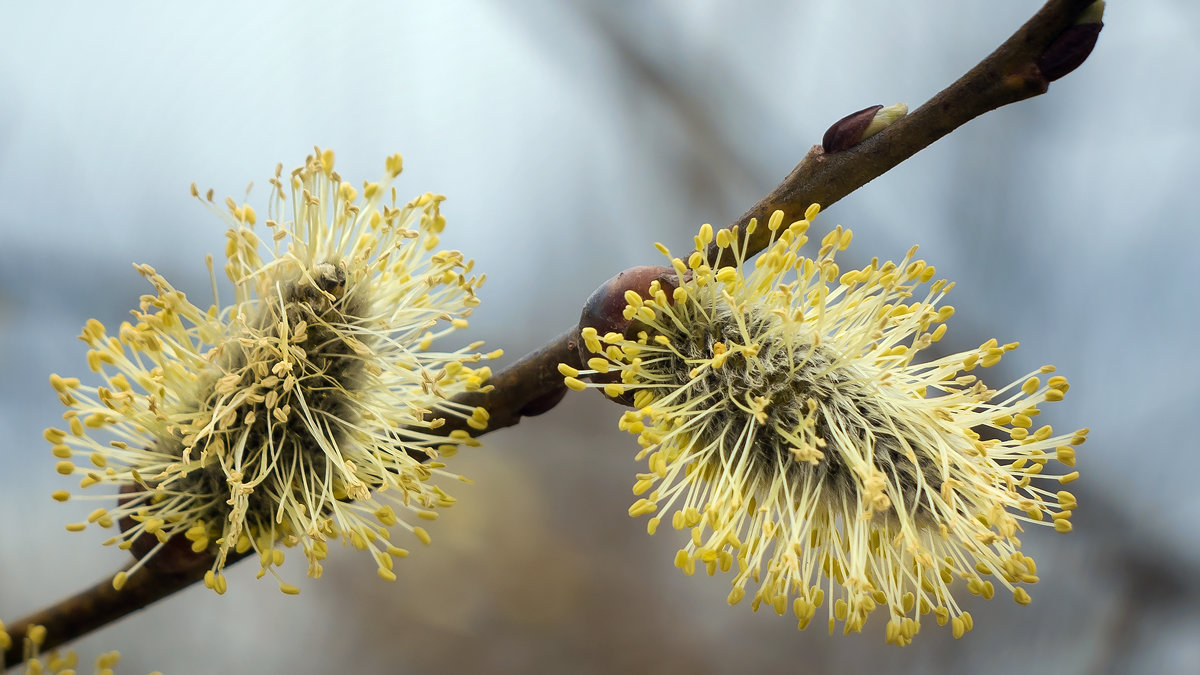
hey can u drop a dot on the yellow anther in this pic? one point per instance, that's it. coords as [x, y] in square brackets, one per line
[1031, 385]
[422, 535]
[1066, 500]
[1065, 454]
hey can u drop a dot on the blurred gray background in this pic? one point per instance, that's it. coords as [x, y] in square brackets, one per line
[569, 136]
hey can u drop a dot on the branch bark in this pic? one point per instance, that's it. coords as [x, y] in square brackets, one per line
[532, 385]
[1010, 74]
[100, 605]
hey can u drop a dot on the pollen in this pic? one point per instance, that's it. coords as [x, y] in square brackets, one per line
[57, 662]
[303, 410]
[794, 431]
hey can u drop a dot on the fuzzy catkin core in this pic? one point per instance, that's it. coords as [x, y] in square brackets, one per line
[787, 376]
[302, 413]
[312, 315]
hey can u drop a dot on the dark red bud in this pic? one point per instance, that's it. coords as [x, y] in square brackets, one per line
[543, 403]
[848, 131]
[605, 308]
[1069, 50]
[605, 311]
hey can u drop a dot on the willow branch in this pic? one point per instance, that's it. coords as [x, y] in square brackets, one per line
[1012, 73]
[531, 386]
[1045, 48]
[102, 604]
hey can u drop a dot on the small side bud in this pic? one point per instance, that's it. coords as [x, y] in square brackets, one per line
[859, 126]
[604, 311]
[543, 403]
[1072, 47]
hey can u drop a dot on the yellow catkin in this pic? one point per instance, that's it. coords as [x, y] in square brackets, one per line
[754, 381]
[321, 393]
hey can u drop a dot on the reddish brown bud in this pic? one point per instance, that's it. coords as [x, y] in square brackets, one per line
[847, 132]
[543, 403]
[1069, 50]
[605, 310]
[859, 126]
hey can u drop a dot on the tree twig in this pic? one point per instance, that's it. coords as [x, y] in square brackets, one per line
[101, 604]
[1009, 74]
[532, 385]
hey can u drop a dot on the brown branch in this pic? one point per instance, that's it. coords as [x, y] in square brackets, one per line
[531, 386]
[101, 604]
[1045, 48]
[1011, 73]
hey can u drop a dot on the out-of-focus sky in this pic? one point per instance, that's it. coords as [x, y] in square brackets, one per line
[569, 136]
